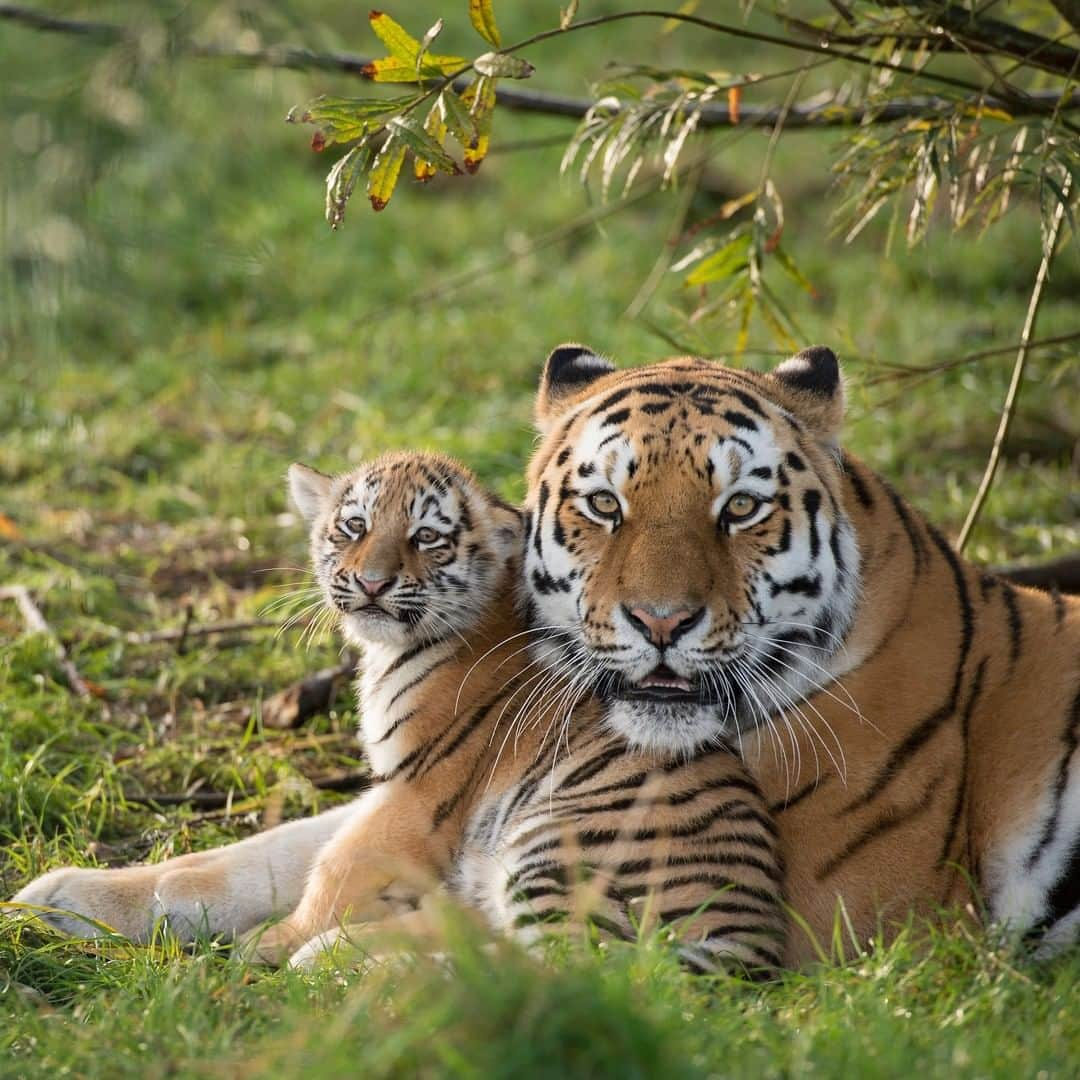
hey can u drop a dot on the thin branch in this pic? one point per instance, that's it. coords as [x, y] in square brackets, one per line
[1009, 407]
[36, 624]
[187, 631]
[345, 780]
[816, 114]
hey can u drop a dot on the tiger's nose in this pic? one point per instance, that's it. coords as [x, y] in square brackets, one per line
[662, 630]
[373, 586]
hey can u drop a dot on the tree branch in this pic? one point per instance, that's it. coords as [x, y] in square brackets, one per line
[995, 35]
[818, 113]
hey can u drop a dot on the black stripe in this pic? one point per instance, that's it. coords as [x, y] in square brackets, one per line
[409, 654]
[918, 544]
[403, 719]
[1070, 739]
[413, 683]
[962, 783]
[926, 728]
[592, 767]
[884, 823]
[862, 492]
[1015, 621]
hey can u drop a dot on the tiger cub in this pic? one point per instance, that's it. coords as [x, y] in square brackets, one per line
[505, 785]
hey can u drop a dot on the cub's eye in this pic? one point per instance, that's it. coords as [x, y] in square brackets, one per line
[427, 535]
[604, 504]
[741, 507]
[354, 527]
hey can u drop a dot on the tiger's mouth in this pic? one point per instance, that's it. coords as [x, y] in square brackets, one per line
[662, 686]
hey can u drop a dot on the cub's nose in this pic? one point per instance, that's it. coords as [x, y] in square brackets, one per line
[373, 586]
[659, 629]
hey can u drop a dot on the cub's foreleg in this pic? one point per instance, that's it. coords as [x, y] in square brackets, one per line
[378, 864]
[222, 892]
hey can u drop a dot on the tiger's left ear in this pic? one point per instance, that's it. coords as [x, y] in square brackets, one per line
[812, 384]
[569, 369]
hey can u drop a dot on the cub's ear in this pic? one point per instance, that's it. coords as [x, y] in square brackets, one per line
[812, 384]
[569, 369]
[309, 490]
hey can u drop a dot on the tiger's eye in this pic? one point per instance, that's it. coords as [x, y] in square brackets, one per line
[426, 535]
[605, 504]
[740, 507]
[355, 527]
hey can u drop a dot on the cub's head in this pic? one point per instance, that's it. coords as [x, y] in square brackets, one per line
[408, 548]
[687, 541]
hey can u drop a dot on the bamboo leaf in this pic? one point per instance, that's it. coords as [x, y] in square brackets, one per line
[792, 270]
[483, 19]
[728, 261]
[480, 99]
[385, 173]
[497, 65]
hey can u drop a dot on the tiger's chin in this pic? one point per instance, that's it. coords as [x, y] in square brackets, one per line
[678, 728]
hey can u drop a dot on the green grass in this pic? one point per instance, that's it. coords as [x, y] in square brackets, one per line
[177, 325]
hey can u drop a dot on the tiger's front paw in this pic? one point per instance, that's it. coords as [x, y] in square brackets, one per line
[87, 903]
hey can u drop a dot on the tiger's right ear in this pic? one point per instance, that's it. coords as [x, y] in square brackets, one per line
[309, 490]
[569, 369]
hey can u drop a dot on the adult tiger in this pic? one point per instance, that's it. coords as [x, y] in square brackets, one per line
[725, 571]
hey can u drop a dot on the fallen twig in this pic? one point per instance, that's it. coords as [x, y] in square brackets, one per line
[291, 707]
[187, 630]
[36, 624]
[345, 780]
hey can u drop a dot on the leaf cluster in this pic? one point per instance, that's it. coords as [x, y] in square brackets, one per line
[383, 132]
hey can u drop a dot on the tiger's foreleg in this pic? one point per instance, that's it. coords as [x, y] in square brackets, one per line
[222, 892]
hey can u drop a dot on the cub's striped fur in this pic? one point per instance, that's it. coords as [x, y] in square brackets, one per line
[913, 721]
[490, 776]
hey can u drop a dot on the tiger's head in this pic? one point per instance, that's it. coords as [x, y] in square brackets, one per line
[407, 548]
[687, 543]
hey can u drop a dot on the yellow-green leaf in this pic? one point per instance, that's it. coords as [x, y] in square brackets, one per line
[385, 173]
[395, 37]
[480, 98]
[341, 120]
[391, 69]
[483, 20]
[435, 127]
[342, 179]
[413, 134]
[457, 117]
[497, 65]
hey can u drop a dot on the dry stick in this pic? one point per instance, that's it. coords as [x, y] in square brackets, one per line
[347, 780]
[183, 633]
[811, 115]
[36, 624]
[1009, 407]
